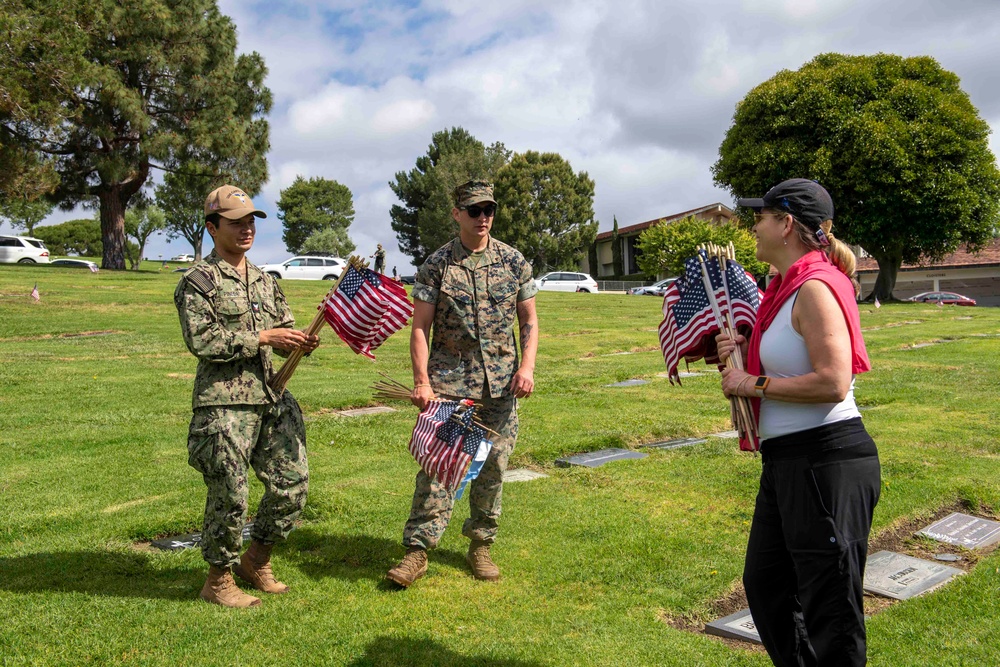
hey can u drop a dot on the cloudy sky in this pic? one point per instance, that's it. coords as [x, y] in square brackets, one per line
[638, 93]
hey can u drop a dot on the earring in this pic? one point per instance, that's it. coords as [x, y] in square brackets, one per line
[784, 241]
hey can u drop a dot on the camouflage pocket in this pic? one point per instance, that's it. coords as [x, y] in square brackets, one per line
[233, 309]
[203, 448]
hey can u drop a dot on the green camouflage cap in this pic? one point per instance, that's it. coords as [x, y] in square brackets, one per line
[473, 192]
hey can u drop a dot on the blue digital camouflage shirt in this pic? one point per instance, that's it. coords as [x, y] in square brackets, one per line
[473, 351]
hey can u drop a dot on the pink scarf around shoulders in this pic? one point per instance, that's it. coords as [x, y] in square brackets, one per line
[814, 265]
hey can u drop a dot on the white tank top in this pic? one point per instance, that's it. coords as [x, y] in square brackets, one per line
[783, 354]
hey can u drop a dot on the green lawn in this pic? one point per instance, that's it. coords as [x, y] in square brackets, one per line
[93, 461]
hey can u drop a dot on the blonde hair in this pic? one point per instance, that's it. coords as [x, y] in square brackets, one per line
[837, 251]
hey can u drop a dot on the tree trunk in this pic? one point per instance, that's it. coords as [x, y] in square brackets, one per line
[197, 246]
[888, 268]
[112, 228]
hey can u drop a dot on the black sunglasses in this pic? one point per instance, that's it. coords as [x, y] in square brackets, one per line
[476, 210]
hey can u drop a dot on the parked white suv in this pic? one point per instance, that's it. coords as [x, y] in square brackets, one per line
[23, 250]
[307, 268]
[564, 281]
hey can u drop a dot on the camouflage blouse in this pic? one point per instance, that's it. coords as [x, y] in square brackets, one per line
[473, 350]
[221, 319]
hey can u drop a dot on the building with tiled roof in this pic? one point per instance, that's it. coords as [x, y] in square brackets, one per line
[628, 236]
[976, 275]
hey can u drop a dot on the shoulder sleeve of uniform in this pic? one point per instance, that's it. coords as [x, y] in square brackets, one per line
[201, 280]
[427, 283]
[521, 269]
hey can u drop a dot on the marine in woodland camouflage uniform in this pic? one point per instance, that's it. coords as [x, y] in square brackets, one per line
[470, 300]
[231, 316]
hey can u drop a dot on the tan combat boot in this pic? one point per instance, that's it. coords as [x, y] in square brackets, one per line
[255, 569]
[220, 589]
[478, 558]
[412, 567]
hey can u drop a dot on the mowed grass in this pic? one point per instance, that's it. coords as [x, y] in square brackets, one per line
[93, 462]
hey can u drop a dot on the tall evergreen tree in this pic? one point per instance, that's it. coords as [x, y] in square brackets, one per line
[423, 223]
[545, 210]
[310, 206]
[99, 93]
[617, 260]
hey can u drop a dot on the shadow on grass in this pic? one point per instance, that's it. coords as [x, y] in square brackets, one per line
[410, 652]
[109, 573]
[320, 555]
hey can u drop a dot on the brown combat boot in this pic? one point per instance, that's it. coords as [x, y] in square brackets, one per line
[220, 589]
[478, 558]
[412, 567]
[255, 569]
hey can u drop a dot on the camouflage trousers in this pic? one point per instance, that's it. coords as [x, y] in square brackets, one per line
[224, 441]
[433, 503]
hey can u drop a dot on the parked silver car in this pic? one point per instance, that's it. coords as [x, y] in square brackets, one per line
[656, 289]
[23, 250]
[307, 268]
[566, 281]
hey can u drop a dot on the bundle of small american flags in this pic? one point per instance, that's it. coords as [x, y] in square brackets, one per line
[708, 299]
[366, 308]
[691, 320]
[449, 445]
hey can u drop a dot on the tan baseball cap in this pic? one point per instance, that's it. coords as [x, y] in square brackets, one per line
[231, 203]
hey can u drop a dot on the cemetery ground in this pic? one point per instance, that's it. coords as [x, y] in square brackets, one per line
[617, 565]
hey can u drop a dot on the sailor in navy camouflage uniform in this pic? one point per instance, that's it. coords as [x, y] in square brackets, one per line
[468, 293]
[232, 316]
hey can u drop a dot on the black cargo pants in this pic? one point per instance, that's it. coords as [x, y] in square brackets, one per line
[808, 545]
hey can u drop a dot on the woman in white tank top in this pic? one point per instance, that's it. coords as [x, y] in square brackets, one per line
[820, 477]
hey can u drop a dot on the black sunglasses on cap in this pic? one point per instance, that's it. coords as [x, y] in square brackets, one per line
[476, 210]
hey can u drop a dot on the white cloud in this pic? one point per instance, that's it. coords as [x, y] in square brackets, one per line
[638, 93]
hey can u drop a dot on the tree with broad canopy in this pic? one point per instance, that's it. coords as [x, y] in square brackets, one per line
[896, 142]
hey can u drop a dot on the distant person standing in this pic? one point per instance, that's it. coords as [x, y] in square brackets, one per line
[395, 274]
[379, 259]
[469, 292]
[232, 317]
[820, 476]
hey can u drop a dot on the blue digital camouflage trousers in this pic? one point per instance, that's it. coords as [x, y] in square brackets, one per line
[224, 442]
[433, 503]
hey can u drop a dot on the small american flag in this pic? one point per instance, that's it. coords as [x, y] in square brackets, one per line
[689, 324]
[878, 304]
[366, 308]
[445, 440]
[34, 293]
[93, 268]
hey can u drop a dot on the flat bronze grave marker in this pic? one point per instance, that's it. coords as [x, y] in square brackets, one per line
[628, 383]
[902, 577]
[963, 530]
[362, 412]
[735, 626]
[189, 541]
[599, 458]
[522, 475]
[673, 444]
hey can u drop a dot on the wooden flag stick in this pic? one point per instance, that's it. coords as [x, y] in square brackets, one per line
[281, 378]
[746, 422]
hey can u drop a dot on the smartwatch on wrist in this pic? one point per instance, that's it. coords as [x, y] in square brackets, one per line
[760, 385]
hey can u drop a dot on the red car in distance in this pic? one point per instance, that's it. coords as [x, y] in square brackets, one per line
[946, 298]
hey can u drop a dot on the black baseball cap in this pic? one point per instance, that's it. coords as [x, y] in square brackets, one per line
[807, 200]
